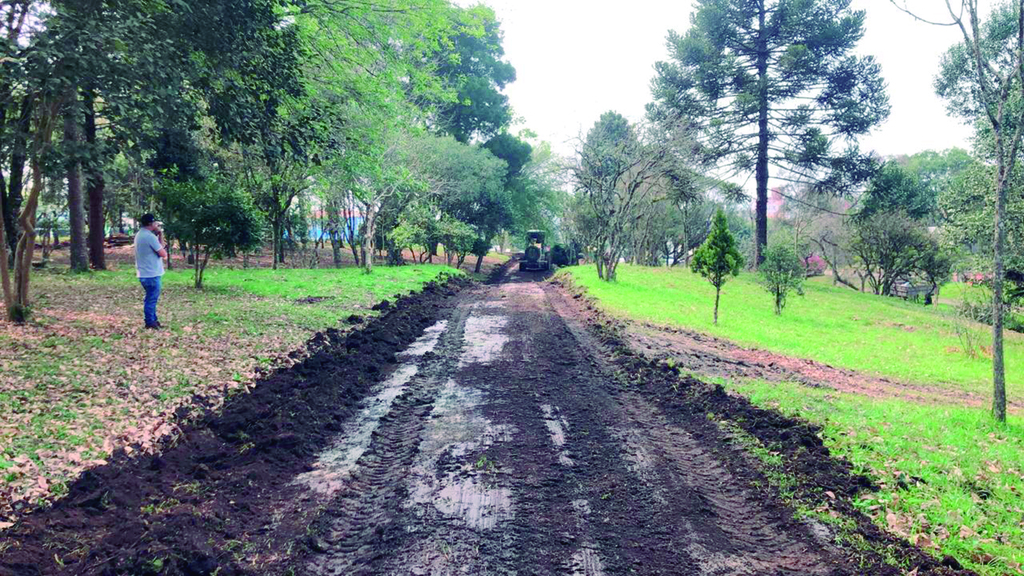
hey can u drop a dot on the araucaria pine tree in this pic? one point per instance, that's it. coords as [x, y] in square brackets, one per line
[718, 258]
[774, 85]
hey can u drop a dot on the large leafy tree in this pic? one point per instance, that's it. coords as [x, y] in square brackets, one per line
[619, 171]
[467, 183]
[937, 170]
[895, 188]
[969, 206]
[774, 89]
[474, 66]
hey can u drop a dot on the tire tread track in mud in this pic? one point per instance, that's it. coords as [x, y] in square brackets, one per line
[353, 529]
[728, 531]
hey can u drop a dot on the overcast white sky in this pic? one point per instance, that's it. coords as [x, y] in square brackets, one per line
[576, 59]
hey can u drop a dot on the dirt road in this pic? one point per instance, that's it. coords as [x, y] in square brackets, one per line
[501, 445]
[493, 431]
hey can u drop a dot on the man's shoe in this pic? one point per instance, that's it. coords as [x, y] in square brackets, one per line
[153, 326]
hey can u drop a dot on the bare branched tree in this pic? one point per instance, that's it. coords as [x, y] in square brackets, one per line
[981, 79]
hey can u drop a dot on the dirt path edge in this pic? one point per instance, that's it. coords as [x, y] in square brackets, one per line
[208, 502]
[805, 460]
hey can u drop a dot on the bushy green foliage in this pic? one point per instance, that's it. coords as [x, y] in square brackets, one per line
[781, 273]
[559, 255]
[718, 258]
[969, 207]
[890, 247]
[480, 247]
[896, 188]
[212, 216]
[457, 237]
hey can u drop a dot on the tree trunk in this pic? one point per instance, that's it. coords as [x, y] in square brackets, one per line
[367, 249]
[96, 189]
[761, 208]
[998, 367]
[197, 283]
[280, 242]
[336, 249]
[202, 267]
[16, 182]
[479, 263]
[76, 204]
[5, 273]
[718, 293]
[276, 244]
[18, 310]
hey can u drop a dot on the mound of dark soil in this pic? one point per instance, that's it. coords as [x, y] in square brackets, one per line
[215, 488]
[799, 442]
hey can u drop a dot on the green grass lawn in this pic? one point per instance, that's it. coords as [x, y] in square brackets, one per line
[271, 295]
[836, 325]
[952, 479]
[83, 377]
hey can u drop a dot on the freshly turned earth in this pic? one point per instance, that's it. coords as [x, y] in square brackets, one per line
[490, 429]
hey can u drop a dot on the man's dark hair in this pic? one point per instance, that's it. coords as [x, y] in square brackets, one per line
[147, 219]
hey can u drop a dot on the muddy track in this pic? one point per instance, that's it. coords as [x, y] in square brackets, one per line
[505, 430]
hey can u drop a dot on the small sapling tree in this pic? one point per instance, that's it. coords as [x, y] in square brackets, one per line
[781, 273]
[718, 257]
[214, 217]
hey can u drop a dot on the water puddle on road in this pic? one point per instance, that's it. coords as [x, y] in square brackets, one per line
[484, 339]
[482, 304]
[556, 428]
[456, 428]
[585, 561]
[427, 342]
[335, 465]
[478, 505]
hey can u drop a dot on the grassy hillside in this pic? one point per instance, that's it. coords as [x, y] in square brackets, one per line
[836, 325]
[951, 478]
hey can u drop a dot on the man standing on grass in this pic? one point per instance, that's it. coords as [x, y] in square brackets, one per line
[149, 265]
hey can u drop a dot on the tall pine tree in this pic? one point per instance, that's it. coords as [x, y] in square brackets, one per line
[772, 84]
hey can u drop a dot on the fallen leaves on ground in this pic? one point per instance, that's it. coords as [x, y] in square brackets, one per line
[85, 378]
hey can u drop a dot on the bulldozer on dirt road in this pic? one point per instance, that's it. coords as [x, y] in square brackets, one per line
[536, 256]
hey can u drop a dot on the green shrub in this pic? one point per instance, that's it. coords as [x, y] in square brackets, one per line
[213, 216]
[781, 273]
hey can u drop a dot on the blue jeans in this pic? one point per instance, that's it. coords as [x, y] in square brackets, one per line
[152, 287]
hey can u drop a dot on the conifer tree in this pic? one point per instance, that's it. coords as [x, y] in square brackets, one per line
[718, 257]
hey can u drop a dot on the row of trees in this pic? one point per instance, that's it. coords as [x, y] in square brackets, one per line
[382, 121]
[771, 90]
